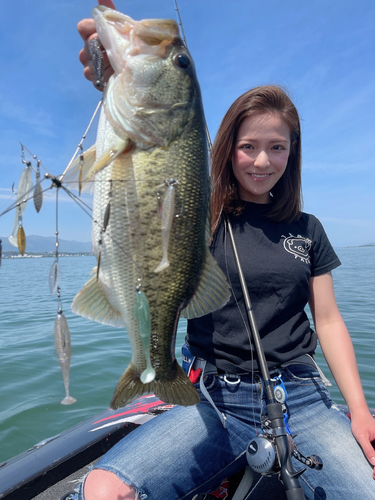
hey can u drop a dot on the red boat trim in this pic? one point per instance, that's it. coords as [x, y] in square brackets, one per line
[140, 407]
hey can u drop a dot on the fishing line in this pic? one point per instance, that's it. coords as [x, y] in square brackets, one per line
[180, 23]
[7, 200]
[37, 192]
[79, 147]
[158, 181]
[225, 230]
[231, 287]
[245, 323]
[186, 45]
[54, 275]
[21, 200]
[35, 158]
[103, 227]
[78, 200]
[225, 226]
[103, 232]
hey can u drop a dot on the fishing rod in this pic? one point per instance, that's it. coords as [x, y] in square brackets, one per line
[271, 453]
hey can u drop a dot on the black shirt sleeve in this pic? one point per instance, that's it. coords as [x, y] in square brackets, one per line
[323, 256]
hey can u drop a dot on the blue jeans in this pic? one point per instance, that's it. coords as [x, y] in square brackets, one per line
[186, 450]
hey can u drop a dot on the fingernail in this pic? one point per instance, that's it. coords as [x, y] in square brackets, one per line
[372, 460]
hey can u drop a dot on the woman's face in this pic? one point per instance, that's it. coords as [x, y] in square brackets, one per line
[260, 155]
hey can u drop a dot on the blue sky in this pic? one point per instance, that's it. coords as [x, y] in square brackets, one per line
[322, 51]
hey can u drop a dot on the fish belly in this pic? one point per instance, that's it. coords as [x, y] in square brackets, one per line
[117, 245]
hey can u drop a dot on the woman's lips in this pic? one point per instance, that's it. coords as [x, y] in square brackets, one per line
[260, 177]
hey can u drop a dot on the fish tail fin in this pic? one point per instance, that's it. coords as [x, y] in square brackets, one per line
[176, 389]
[163, 265]
[128, 388]
[68, 400]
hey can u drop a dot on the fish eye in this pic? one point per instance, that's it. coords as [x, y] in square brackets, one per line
[182, 60]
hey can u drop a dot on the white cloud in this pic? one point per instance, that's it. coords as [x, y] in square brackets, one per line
[38, 119]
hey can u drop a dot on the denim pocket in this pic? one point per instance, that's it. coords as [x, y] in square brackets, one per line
[302, 373]
[304, 381]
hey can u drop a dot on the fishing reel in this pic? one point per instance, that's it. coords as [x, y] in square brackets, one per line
[262, 456]
[261, 452]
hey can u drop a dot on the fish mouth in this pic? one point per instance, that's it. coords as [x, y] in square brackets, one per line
[149, 97]
[147, 37]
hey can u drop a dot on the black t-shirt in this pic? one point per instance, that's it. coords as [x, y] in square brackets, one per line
[278, 259]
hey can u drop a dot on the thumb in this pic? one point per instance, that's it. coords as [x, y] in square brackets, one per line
[367, 448]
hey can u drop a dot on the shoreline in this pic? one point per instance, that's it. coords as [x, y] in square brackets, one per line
[41, 255]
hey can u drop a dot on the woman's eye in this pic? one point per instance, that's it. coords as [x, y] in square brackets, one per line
[278, 147]
[247, 146]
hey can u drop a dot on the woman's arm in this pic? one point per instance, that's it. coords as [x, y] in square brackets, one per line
[87, 30]
[338, 350]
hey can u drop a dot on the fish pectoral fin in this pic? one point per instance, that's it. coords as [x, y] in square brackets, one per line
[79, 172]
[212, 292]
[80, 175]
[175, 388]
[121, 146]
[92, 303]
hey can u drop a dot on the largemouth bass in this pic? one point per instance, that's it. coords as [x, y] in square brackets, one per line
[151, 208]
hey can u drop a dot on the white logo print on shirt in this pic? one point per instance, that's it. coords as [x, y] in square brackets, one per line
[298, 246]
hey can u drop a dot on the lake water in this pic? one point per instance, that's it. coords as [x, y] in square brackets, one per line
[31, 385]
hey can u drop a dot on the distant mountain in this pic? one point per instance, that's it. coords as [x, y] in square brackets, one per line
[42, 244]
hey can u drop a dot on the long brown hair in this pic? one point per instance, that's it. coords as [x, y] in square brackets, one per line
[286, 194]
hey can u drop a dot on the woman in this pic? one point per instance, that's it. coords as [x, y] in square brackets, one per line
[287, 261]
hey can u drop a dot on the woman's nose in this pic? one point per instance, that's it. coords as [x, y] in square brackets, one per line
[262, 160]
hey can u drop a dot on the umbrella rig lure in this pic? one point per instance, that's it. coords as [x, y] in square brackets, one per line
[26, 190]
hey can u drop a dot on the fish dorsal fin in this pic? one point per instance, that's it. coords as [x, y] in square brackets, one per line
[212, 292]
[92, 303]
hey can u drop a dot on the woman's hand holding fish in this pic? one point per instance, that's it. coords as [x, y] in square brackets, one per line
[87, 30]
